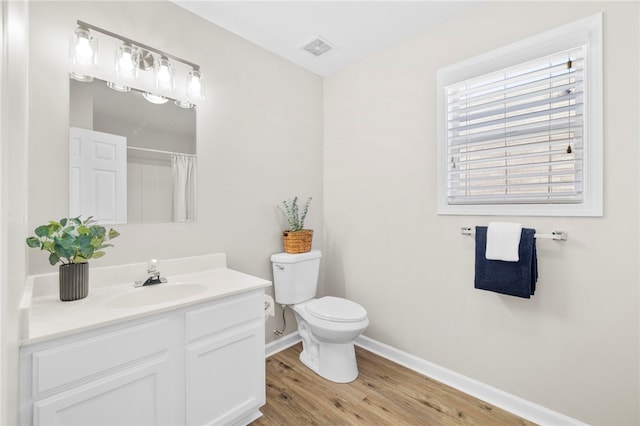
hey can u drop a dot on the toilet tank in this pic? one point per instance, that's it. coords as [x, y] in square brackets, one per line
[295, 276]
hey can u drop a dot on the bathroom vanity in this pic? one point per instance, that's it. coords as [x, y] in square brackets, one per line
[190, 351]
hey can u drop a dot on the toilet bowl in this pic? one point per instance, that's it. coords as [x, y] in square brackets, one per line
[327, 336]
[327, 325]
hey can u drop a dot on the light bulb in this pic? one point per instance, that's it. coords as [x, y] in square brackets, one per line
[83, 48]
[126, 63]
[195, 89]
[163, 73]
[195, 85]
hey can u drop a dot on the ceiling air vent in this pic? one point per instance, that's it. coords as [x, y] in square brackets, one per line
[318, 47]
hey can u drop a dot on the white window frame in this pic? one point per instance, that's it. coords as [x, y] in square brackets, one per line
[587, 31]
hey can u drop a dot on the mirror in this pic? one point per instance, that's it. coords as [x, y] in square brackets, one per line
[151, 177]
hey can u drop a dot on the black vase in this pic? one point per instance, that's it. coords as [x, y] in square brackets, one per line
[74, 281]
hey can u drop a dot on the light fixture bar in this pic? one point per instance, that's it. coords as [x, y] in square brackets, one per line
[135, 43]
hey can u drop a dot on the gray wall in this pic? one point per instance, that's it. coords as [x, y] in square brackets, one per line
[574, 346]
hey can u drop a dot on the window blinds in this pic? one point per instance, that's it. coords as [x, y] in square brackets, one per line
[516, 135]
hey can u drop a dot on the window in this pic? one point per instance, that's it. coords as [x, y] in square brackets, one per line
[520, 128]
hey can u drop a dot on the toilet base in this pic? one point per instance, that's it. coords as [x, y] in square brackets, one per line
[335, 362]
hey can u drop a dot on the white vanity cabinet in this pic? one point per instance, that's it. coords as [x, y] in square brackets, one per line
[200, 364]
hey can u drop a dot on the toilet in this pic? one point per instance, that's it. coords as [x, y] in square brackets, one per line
[327, 325]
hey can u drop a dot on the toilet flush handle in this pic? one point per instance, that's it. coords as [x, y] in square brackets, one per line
[281, 267]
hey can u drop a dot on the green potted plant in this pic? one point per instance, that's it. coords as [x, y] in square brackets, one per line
[296, 239]
[72, 242]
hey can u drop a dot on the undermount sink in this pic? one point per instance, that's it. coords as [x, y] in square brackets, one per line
[155, 294]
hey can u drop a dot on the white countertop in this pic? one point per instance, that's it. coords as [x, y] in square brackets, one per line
[44, 316]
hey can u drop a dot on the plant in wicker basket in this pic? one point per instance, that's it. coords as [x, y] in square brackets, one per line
[296, 239]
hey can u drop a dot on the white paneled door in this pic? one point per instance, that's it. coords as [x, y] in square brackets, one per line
[97, 175]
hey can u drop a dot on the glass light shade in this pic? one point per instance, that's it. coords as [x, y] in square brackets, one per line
[155, 99]
[127, 58]
[164, 74]
[195, 85]
[183, 104]
[83, 47]
[85, 78]
[118, 87]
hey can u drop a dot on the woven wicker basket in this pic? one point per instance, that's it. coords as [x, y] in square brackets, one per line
[297, 241]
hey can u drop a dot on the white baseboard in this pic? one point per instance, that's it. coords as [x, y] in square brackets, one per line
[511, 403]
[281, 344]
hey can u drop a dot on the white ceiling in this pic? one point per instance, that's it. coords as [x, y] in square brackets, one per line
[356, 29]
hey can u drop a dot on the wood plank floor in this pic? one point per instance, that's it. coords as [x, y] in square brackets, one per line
[385, 393]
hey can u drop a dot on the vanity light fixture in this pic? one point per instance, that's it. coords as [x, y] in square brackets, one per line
[84, 46]
[155, 99]
[183, 104]
[195, 85]
[164, 75]
[118, 87]
[146, 60]
[135, 66]
[85, 78]
[127, 62]
[83, 50]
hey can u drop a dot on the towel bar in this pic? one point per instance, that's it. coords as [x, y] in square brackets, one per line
[555, 235]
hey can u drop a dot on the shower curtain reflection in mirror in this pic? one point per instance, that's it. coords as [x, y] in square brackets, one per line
[183, 170]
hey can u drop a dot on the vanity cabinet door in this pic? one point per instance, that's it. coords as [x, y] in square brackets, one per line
[225, 378]
[225, 365]
[137, 396]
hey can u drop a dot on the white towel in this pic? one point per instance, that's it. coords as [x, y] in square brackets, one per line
[503, 240]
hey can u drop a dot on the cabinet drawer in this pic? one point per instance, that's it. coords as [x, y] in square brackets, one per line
[85, 358]
[226, 313]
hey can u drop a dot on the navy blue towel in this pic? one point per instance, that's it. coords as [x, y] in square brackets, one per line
[512, 278]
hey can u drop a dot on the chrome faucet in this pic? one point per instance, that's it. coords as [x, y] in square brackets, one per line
[153, 275]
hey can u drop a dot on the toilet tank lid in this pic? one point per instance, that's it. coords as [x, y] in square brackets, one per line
[294, 258]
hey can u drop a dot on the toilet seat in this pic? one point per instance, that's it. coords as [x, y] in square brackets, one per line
[336, 309]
